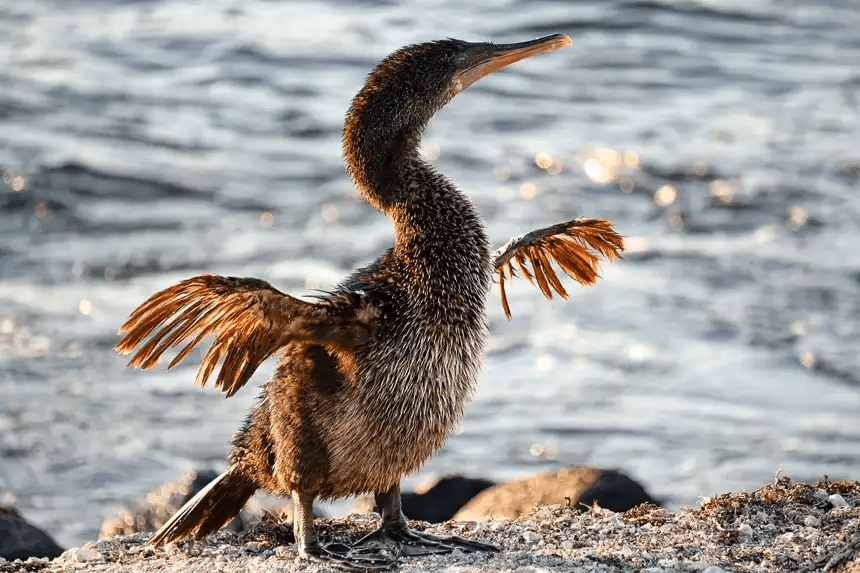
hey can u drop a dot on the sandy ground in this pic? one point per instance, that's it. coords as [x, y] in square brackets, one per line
[782, 526]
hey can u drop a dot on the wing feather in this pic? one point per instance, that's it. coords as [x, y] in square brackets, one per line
[575, 246]
[505, 307]
[537, 266]
[548, 271]
[250, 320]
[521, 262]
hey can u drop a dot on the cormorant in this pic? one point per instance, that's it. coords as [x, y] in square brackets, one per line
[373, 376]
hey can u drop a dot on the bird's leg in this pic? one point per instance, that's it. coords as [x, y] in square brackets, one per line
[394, 530]
[303, 525]
[333, 553]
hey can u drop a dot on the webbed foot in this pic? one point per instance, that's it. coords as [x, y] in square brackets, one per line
[350, 557]
[407, 541]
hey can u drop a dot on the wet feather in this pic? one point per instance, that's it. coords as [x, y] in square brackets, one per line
[574, 246]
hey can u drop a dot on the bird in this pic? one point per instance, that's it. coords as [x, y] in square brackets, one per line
[372, 376]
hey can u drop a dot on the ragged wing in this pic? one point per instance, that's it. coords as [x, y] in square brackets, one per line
[574, 246]
[250, 320]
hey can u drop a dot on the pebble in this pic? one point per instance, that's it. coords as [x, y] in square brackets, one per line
[714, 569]
[837, 500]
[529, 569]
[786, 537]
[531, 537]
[811, 521]
[82, 555]
[171, 549]
[745, 529]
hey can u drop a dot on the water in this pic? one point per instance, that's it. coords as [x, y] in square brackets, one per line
[145, 142]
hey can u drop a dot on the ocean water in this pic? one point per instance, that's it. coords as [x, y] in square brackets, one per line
[142, 142]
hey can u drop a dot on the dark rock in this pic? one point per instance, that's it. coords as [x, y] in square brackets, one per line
[441, 501]
[21, 540]
[616, 492]
[435, 501]
[579, 487]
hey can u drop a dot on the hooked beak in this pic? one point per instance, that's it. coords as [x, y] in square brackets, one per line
[485, 58]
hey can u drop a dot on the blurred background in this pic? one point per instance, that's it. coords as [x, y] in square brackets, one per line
[142, 142]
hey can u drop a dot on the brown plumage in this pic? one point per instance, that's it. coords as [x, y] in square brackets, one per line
[568, 244]
[250, 319]
[371, 377]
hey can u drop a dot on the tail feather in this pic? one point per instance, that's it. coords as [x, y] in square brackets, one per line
[208, 511]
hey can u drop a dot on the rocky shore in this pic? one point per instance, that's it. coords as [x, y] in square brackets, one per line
[782, 526]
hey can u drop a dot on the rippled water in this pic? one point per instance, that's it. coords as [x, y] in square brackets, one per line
[144, 142]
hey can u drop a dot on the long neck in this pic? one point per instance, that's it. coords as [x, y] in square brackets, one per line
[380, 146]
[435, 221]
[439, 235]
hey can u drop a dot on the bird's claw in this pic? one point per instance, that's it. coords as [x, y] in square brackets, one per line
[406, 541]
[381, 549]
[351, 558]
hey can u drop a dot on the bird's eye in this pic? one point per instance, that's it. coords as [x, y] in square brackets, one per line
[461, 60]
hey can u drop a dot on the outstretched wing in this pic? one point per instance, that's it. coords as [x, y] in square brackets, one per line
[250, 319]
[574, 246]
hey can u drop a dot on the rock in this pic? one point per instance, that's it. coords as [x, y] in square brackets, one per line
[21, 540]
[437, 500]
[812, 521]
[84, 554]
[583, 487]
[837, 500]
[443, 499]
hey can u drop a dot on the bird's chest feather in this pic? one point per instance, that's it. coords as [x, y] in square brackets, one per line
[425, 357]
[428, 366]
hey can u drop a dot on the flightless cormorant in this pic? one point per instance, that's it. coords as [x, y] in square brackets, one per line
[372, 376]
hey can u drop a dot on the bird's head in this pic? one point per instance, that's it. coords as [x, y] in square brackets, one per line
[403, 92]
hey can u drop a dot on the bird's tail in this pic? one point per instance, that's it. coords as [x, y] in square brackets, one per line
[208, 511]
